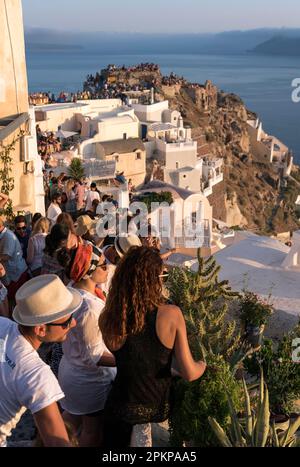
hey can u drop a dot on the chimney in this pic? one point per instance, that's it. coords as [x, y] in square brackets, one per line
[152, 96]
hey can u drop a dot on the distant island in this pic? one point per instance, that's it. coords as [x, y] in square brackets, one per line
[224, 43]
[34, 47]
[279, 45]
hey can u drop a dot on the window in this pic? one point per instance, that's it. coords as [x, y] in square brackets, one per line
[117, 158]
[138, 156]
[124, 135]
[177, 165]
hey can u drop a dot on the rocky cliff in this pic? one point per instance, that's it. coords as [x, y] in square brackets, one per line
[253, 193]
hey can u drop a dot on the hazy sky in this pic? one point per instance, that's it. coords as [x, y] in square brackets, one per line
[160, 15]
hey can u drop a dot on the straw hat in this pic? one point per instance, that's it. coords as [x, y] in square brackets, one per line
[85, 224]
[44, 299]
[124, 243]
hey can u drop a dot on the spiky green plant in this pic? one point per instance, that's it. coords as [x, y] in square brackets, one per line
[204, 300]
[255, 429]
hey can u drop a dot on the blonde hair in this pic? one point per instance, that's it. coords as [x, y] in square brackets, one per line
[41, 226]
[70, 185]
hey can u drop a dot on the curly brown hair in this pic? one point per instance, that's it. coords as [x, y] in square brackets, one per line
[135, 290]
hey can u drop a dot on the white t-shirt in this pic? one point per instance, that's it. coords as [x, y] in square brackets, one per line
[85, 384]
[111, 269]
[91, 195]
[53, 212]
[26, 382]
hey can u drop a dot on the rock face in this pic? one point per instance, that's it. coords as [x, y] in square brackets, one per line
[218, 202]
[252, 193]
[234, 217]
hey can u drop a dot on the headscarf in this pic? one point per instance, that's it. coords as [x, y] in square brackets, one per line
[85, 262]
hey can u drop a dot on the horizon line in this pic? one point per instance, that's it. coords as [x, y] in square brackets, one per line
[187, 33]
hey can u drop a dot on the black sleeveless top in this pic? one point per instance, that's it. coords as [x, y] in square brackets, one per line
[141, 390]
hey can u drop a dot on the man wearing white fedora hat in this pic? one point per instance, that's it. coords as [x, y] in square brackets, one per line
[44, 313]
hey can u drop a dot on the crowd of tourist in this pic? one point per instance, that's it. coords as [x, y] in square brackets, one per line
[97, 305]
[107, 90]
[141, 67]
[47, 144]
[173, 79]
[40, 98]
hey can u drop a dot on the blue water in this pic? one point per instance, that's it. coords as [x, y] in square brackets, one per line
[264, 83]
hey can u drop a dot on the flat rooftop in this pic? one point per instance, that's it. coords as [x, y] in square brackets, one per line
[52, 107]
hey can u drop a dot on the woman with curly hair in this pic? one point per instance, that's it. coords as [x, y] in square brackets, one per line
[144, 334]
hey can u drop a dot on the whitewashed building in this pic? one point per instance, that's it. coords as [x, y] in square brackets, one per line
[269, 148]
[190, 210]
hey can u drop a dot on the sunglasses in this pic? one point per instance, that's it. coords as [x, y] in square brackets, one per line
[21, 228]
[164, 276]
[103, 266]
[65, 325]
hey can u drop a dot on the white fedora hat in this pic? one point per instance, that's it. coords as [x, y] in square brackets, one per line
[44, 299]
[124, 243]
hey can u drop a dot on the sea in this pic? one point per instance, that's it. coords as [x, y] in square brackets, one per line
[263, 82]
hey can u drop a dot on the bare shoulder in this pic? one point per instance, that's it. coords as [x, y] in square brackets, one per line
[172, 312]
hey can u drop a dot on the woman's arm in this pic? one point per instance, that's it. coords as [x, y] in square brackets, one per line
[171, 330]
[92, 347]
[107, 359]
[3, 200]
[165, 256]
[186, 365]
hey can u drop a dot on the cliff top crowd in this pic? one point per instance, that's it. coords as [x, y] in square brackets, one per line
[141, 67]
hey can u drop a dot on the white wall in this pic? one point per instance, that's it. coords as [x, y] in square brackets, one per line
[185, 154]
[189, 180]
[150, 113]
[115, 131]
[39, 194]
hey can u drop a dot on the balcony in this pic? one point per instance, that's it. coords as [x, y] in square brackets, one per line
[214, 163]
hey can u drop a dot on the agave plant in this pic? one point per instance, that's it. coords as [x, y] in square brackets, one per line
[255, 429]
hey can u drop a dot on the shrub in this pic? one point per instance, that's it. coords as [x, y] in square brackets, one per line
[254, 311]
[282, 375]
[163, 197]
[199, 400]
